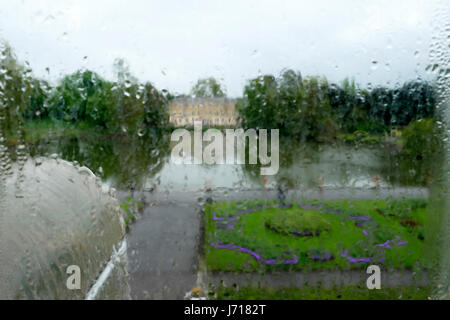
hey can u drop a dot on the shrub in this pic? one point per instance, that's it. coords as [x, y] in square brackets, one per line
[296, 220]
[422, 140]
[371, 139]
[347, 137]
[83, 96]
[329, 130]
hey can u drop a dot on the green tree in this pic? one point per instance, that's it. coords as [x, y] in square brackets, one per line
[422, 140]
[298, 107]
[380, 105]
[83, 96]
[155, 107]
[15, 90]
[317, 118]
[207, 88]
[347, 101]
[288, 115]
[259, 104]
[412, 100]
[37, 107]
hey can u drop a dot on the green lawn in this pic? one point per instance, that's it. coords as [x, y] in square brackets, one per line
[344, 234]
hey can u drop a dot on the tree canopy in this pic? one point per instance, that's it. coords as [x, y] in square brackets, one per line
[207, 88]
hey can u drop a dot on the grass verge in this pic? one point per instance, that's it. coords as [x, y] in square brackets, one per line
[320, 293]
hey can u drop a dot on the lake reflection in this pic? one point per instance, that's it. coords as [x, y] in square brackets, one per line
[144, 163]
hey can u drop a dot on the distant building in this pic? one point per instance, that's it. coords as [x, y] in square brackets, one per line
[211, 111]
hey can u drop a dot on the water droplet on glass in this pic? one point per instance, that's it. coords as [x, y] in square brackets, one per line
[374, 65]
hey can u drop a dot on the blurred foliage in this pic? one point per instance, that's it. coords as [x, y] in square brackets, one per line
[15, 90]
[82, 97]
[207, 88]
[131, 208]
[422, 139]
[313, 109]
[303, 108]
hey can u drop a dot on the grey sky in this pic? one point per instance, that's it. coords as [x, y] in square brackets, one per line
[173, 43]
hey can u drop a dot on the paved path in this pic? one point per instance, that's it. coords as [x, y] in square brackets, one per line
[164, 243]
[162, 252]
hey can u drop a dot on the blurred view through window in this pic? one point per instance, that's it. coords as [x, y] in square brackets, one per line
[103, 104]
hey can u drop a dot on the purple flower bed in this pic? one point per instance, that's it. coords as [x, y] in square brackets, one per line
[384, 245]
[319, 255]
[315, 254]
[394, 242]
[285, 205]
[353, 259]
[360, 220]
[320, 205]
[294, 259]
[225, 226]
[250, 210]
[306, 206]
[215, 218]
[363, 218]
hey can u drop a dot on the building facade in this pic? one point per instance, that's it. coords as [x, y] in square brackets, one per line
[211, 111]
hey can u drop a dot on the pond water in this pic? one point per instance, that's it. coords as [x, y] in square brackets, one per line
[145, 163]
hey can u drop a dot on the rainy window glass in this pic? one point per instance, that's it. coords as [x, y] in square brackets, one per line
[224, 150]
